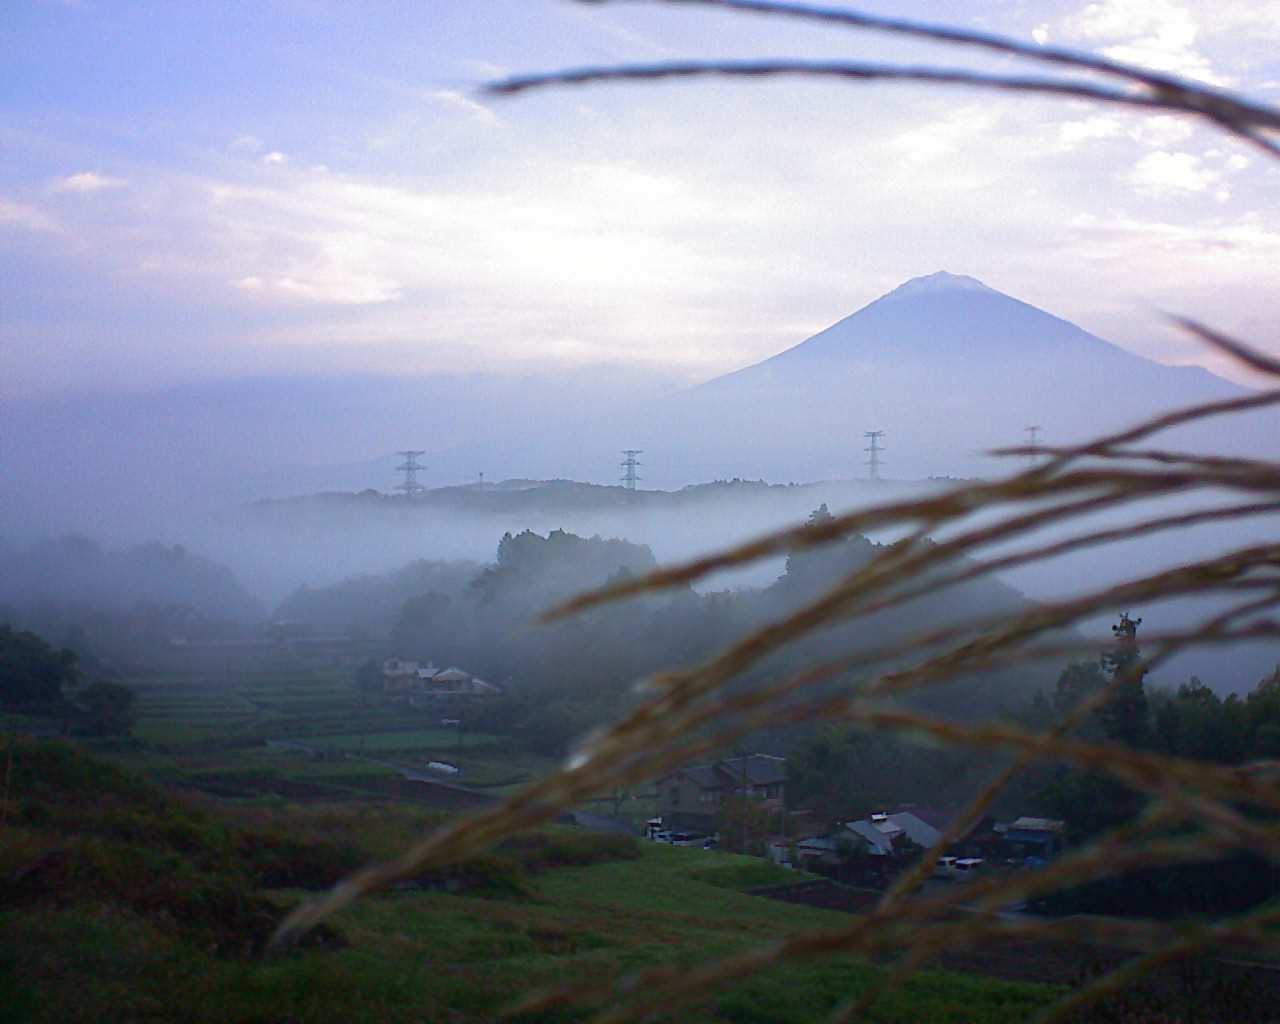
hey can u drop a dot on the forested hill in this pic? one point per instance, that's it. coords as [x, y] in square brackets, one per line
[543, 497]
[76, 573]
[567, 677]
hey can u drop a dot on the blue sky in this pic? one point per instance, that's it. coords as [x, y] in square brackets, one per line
[195, 192]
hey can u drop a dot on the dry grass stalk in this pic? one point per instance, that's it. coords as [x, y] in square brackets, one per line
[689, 712]
[1147, 89]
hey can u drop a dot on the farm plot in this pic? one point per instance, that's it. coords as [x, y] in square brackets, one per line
[403, 740]
[184, 712]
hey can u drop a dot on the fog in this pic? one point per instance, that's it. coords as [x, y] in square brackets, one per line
[289, 482]
[274, 547]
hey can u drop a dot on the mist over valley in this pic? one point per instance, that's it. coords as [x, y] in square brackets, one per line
[946, 367]
[726, 511]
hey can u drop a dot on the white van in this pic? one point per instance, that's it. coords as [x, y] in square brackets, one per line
[944, 868]
[967, 867]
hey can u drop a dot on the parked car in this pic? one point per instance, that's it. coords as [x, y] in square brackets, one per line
[945, 868]
[687, 839]
[967, 867]
[660, 836]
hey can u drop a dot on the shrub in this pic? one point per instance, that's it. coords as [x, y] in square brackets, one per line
[277, 861]
[539, 851]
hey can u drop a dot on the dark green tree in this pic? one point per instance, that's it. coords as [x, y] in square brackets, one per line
[369, 677]
[1079, 681]
[32, 672]
[108, 707]
[1124, 715]
[801, 562]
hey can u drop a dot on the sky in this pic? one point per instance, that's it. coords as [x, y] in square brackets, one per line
[194, 193]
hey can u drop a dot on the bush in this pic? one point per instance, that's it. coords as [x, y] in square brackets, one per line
[539, 851]
[60, 773]
[277, 861]
[489, 876]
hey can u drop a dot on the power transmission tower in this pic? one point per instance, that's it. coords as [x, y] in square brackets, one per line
[1033, 441]
[873, 460]
[629, 467]
[410, 488]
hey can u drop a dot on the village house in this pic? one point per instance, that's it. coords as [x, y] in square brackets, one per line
[427, 685]
[398, 676]
[879, 832]
[692, 798]
[1039, 838]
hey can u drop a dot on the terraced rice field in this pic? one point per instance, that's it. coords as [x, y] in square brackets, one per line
[294, 726]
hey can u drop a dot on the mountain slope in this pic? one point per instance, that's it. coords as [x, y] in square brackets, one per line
[948, 368]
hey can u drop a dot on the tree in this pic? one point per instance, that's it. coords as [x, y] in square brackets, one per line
[109, 708]
[32, 672]
[1079, 681]
[421, 624]
[369, 677]
[1124, 715]
[799, 562]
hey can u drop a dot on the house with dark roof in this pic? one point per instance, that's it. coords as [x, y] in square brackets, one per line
[692, 797]
[427, 685]
[1033, 837]
[879, 832]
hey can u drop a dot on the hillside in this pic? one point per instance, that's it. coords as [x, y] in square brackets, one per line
[120, 901]
[948, 368]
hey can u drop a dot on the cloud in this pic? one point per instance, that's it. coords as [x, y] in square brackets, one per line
[486, 69]
[275, 157]
[26, 217]
[245, 144]
[1243, 246]
[1259, 19]
[1163, 174]
[86, 182]
[942, 139]
[1156, 34]
[321, 238]
[466, 104]
[1162, 131]
[1073, 133]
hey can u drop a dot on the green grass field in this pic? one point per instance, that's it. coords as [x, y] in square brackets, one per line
[153, 908]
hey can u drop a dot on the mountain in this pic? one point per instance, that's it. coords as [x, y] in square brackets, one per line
[948, 368]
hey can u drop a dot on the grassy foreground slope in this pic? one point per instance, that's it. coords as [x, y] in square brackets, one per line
[119, 902]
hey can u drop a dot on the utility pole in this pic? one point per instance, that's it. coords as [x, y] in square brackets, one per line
[1033, 439]
[873, 461]
[629, 466]
[410, 488]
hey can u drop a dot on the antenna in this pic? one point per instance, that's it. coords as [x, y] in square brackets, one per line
[1033, 438]
[629, 467]
[873, 462]
[410, 488]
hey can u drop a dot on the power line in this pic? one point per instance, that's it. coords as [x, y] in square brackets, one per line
[873, 461]
[410, 487]
[629, 466]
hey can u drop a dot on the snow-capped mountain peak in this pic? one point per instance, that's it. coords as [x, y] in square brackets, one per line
[937, 284]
